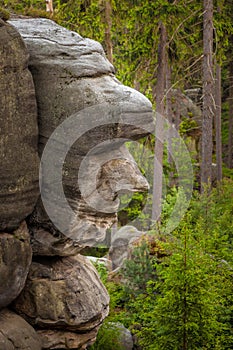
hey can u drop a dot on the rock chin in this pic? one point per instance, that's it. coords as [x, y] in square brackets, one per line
[63, 294]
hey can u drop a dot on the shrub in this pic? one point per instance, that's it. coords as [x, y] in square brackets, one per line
[4, 14]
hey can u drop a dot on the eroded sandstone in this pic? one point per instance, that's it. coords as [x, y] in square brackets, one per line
[63, 294]
[15, 260]
[16, 333]
[76, 87]
[18, 133]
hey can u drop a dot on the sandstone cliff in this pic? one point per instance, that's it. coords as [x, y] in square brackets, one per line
[76, 119]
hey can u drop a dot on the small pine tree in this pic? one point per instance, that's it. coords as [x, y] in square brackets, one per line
[189, 306]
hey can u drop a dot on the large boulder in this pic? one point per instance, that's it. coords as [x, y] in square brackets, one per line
[125, 337]
[121, 242]
[18, 133]
[63, 294]
[54, 339]
[16, 333]
[75, 84]
[15, 260]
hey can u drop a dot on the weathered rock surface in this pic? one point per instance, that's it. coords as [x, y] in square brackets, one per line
[44, 243]
[18, 144]
[73, 78]
[100, 186]
[63, 297]
[121, 243]
[63, 293]
[185, 106]
[52, 339]
[124, 335]
[16, 333]
[15, 260]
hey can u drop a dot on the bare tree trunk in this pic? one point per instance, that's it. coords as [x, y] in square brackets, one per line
[208, 95]
[230, 124]
[49, 6]
[218, 124]
[169, 109]
[177, 118]
[169, 116]
[108, 40]
[158, 151]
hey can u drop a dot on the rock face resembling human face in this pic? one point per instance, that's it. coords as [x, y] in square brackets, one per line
[75, 82]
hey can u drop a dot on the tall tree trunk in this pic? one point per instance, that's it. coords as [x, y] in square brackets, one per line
[208, 95]
[159, 137]
[49, 6]
[230, 124]
[177, 113]
[218, 124]
[169, 116]
[108, 23]
[169, 109]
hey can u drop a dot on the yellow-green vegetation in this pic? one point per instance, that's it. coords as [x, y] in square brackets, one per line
[181, 299]
[4, 14]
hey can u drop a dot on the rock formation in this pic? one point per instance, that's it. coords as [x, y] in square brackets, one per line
[15, 260]
[19, 132]
[85, 110]
[121, 242]
[16, 333]
[71, 74]
[63, 296]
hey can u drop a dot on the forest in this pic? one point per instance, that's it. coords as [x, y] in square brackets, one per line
[175, 291]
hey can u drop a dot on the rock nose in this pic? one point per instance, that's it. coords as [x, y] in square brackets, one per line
[132, 180]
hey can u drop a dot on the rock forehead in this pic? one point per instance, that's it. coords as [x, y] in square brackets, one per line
[42, 28]
[49, 43]
[72, 73]
[73, 57]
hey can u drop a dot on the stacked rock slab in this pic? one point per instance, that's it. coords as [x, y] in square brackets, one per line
[15, 260]
[18, 183]
[65, 301]
[18, 133]
[16, 333]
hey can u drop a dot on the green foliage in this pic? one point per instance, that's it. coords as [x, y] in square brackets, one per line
[227, 173]
[107, 338]
[184, 301]
[98, 251]
[185, 313]
[214, 211]
[138, 270]
[24, 7]
[187, 125]
[102, 271]
[133, 208]
[4, 14]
